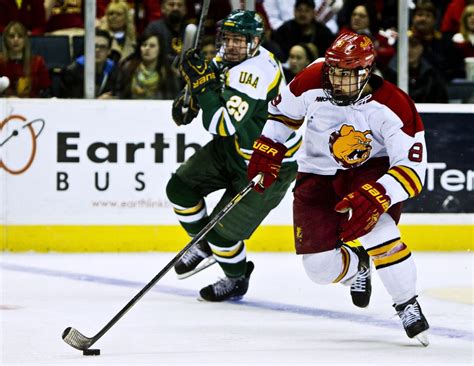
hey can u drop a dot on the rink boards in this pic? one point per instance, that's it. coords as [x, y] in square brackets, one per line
[91, 175]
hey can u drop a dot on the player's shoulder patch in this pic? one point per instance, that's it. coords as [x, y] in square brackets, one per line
[401, 104]
[309, 78]
[253, 76]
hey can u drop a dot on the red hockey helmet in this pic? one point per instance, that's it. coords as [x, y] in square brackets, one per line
[348, 65]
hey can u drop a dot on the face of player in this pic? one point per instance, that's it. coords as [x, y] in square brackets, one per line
[150, 50]
[346, 82]
[235, 47]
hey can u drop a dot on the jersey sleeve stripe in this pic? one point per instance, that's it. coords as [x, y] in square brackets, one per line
[409, 180]
[243, 154]
[227, 126]
[294, 124]
[415, 179]
[278, 76]
[221, 124]
[275, 82]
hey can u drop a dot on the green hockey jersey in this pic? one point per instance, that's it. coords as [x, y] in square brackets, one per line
[240, 107]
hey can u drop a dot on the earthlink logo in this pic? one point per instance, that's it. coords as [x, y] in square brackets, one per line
[18, 143]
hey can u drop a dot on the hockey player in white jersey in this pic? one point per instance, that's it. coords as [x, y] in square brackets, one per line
[363, 154]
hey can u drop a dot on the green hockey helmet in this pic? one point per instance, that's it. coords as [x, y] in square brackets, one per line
[248, 23]
[244, 22]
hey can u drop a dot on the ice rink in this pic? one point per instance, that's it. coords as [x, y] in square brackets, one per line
[284, 319]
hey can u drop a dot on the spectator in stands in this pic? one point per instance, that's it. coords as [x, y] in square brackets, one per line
[28, 74]
[72, 79]
[462, 45]
[424, 28]
[363, 20]
[208, 47]
[143, 11]
[268, 43]
[171, 27]
[280, 11]
[147, 74]
[65, 16]
[28, 12]
[119, 23]
[303, 28]
[301, 55]
[386, 12]
[426, 84]
[464, 40]
[450, 24]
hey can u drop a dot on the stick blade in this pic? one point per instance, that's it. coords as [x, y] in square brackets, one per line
[76, 339]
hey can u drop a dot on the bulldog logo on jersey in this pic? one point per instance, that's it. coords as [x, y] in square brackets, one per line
[350, 148]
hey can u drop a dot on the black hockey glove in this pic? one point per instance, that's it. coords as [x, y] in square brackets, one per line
[180, 116]
[197, 72]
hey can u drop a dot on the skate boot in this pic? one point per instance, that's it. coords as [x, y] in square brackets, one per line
[197, 258]
[228, 288]
[361, 288]
[413, 320]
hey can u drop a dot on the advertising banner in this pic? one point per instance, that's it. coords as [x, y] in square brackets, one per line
[450, 175]
[91, 162]
[72, 164]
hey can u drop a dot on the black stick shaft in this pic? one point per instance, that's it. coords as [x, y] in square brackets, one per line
[197, 41]
[165, 270]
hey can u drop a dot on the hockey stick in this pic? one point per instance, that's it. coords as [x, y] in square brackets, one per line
[197, 41]
[79, 341]
[188, 41]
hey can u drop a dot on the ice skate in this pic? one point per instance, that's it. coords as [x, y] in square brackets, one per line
[413, 320]
[361, 288]
[228, 288]
[197, 258]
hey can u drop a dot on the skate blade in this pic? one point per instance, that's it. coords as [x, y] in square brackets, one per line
[423, 338]
[231, 299]
[209, 261]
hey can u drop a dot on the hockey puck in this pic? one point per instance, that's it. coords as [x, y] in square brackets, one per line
[91, 352]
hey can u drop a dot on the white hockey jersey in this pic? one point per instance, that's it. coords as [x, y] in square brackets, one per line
[382, 124]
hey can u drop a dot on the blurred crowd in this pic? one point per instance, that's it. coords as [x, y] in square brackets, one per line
[137, 43]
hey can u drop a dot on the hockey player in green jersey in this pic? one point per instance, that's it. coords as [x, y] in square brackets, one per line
[233, 91]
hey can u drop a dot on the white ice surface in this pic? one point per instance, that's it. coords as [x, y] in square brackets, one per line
[284, 319]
